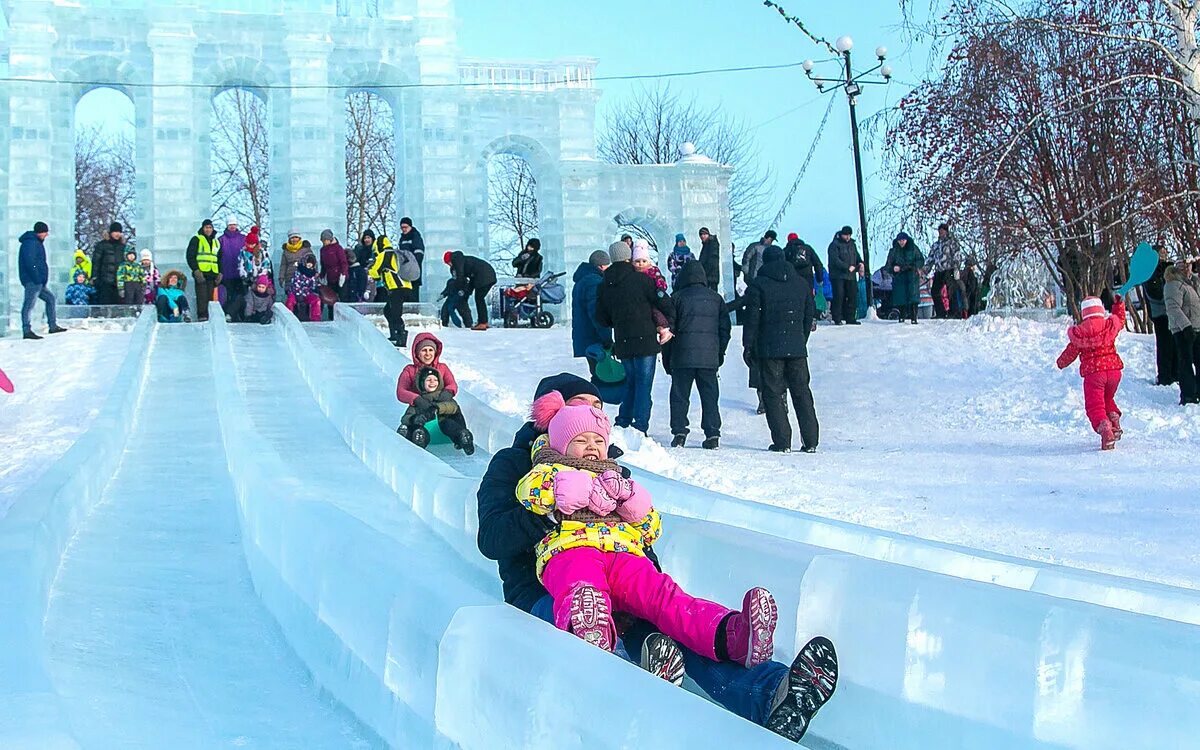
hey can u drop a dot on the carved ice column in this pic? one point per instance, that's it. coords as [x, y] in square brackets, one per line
[306, 159]
[177, 129]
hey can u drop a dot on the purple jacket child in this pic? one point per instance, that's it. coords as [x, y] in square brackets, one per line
[232, 242]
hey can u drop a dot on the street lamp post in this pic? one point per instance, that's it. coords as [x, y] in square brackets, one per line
[853, 86]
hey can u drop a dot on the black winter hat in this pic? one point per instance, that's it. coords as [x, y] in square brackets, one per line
[425, 372]
[368, 233]
[771, 235]
[203, 224]
[534, 243]
[115, 227]
[847, 230]
[39, 227]
[566, 384]
[704, 230]
[407, 221]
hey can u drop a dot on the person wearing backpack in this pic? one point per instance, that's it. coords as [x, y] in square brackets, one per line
[395, 271]
[694, 355]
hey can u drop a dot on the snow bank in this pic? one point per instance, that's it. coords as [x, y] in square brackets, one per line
[32, 538]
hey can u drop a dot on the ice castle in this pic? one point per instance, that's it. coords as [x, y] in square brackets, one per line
[451, 114]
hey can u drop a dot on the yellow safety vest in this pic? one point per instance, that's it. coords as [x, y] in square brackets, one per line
[206, 253]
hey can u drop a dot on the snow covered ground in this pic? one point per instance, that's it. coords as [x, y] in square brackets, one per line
[60, 382]
[958, 432]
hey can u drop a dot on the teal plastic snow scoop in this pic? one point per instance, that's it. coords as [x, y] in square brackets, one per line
[436, 435]
[1141, 267]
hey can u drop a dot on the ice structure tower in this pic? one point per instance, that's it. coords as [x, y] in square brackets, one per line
[171, 58]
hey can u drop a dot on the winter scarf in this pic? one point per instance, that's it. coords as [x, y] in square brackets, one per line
[547, 455]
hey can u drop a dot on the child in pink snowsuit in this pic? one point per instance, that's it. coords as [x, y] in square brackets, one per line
[594, 562]
[302, 289]
[1094, 342]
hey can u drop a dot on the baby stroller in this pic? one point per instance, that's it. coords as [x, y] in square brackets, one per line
[881, 289]
[526, 300]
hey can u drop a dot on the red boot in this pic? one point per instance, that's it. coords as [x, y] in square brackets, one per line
[1107, 440]
[1115, 420]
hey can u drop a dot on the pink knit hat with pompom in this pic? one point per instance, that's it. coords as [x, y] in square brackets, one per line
[563, 423]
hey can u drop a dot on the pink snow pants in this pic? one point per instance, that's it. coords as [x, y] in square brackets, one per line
[1099, 388]
[633, 585]
[314, 306]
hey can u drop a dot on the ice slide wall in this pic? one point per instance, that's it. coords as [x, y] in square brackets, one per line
[33, 538]
[941, 645]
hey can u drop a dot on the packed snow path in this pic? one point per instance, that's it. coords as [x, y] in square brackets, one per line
[155, 635]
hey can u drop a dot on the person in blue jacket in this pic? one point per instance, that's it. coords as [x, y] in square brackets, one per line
[585, 331]
[34, 273]
[766, 694]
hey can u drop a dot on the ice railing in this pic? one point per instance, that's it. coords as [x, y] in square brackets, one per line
[941, 645]
[33, 537]
[536, 75]
[395, 631]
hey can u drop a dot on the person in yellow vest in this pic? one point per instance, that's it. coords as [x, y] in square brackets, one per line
[390, 269]
[202, 259]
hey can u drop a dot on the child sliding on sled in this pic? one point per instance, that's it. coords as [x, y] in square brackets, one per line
[435, 402]
[1094, 342]
[594, 562]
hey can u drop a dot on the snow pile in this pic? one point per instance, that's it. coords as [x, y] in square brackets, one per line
[958, 432]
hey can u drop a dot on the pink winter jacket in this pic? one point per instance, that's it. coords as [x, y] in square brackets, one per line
[406, 384]
[1094, 342]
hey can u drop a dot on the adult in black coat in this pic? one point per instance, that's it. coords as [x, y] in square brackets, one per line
[844, 263]
[107, 255]
[779, 317]
[805, 259]
[411, 240]
[508, 534]
[528, 265]
[710, 257]
[626, 303]
[695, 354]
[480, 277]
[1164, 342]
[585, 331]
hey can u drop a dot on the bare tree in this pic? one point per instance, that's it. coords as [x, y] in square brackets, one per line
[650, 126]
[240, 157]
[512, 205]
[104, 184]
[370, 164]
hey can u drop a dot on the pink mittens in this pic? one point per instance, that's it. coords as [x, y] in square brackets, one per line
[608, 489]
[637, 505]
[572, 491]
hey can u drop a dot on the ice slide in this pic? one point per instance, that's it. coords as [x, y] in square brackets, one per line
[129, 617]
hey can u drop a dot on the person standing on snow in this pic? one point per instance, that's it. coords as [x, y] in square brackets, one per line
[804, 258]
[680, 256]
[33, 271]
[294, 252]
[412, 243]
[1164, 342]
[752, 257]
[1093, 341]
[844, 265]
[695, 353]
[364, 250]
[585, 331]
[779, 317]
[152, 277]
[1182, 292]
[626, 302]
[528, 265]
[480, 278]
[710, 258]
[233, 285]
[334, 265]
[203, 258]
[904, 262]
[943, 263]
[107, 256]
[394, 271]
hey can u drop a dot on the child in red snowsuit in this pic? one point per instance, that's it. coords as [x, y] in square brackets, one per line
[1094, 343]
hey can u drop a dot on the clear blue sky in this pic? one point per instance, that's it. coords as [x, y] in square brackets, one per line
[652, 36]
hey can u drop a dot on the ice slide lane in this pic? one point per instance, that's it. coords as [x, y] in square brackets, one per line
[154, 634]
[972, 651]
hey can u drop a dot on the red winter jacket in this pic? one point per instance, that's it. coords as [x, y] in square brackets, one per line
[406, 384]
[1094, 342]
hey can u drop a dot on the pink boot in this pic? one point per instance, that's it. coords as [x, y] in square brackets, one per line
[750, 634]
[1108, 440]
[590, 617]
[314, 308]
[1115, 419]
